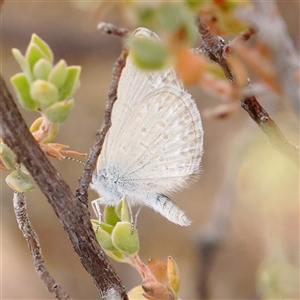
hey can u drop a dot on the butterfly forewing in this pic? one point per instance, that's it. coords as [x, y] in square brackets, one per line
[155, 143]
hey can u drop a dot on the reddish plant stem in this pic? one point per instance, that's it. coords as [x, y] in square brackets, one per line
[143, 269]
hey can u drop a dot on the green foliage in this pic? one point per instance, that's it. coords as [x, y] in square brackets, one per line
[22, 90]
[59, 112]
[118, 237]
[45, 88]
[71, 83]
[19, 181]
[42, 69]
[42, 46]
[59, 74]
[7, 157]
[148, 54]
[125, 238]
[42, 86]
[44, 93]
[110, 216]
[183, 24]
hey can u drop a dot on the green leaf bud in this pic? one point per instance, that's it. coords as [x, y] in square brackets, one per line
[34, 54]
[71, 83]
[7, 157]
[19, 181]
[43, 93]
[38, 49]
[59, 74]
[125, 238]
[125, 212]
[23, 63]
[107, 228]
[41, 69]
[22, 89]
[110, 215]
[148, 54]
[59, 112]
[118, 256]
[103, 238]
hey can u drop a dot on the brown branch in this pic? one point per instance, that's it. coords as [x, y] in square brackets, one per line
[109, 28]
[85, 179]
[213, 234]
[245, 36]
[33, 243]
[269, 127]
[273, 32]
[73, 215]
[213, 46]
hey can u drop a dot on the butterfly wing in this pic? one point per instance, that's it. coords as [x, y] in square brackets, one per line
[156, 132]
[155, 142]
[134, 85]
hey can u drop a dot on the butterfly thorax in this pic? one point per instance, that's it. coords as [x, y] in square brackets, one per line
[111, 185]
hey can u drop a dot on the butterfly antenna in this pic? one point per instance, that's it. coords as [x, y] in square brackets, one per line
[74, 159]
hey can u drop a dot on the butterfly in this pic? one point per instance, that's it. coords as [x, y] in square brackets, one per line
[155, 143]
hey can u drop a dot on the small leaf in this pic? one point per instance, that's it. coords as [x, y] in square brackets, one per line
[59, 74]
[44, 93]
[36, 125]
[125, 212]
[33, 54]
[22, 89]
[19, 181]
[156, 290]
[159, 270]
[125, 238]
[182, 27]
[41, 69]
[43, 46]
[118, 256]
[48, 135]
[59, 112]
[71, 84]
[118, 209]
[148, 54]
[107, 228]
[136, 293]
[103, 238]
[189, 66]
[173, 274]
[23, 63]
[7, 157]
[110, 215]
[24, 170]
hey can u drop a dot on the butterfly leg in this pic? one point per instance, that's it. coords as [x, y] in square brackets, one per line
[133, 223]
[96, 208]
[136, 216]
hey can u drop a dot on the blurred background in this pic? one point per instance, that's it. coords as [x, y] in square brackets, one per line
[260, 245]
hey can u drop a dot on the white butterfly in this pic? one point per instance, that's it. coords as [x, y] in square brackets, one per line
[155, 143]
